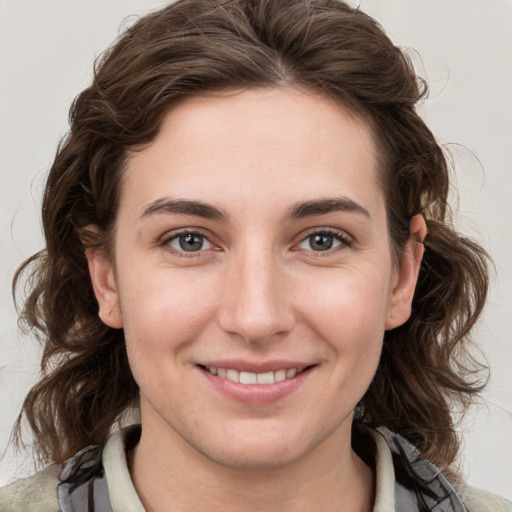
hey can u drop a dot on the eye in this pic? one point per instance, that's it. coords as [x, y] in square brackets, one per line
[323, 241]
[189, 242]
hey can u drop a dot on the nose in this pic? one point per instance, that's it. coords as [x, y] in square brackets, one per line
[256, 306]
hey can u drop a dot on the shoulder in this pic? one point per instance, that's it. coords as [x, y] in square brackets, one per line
[401, 464]
[37, 493]
[477, 500]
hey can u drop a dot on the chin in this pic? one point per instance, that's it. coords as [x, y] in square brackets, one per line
[257, 448]
[256, 457]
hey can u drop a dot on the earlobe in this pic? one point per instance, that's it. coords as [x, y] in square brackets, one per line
[105, 288]
[399, 308]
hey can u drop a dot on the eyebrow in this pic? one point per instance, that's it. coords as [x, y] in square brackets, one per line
[324, 206]
[184, 207]
[296, 211]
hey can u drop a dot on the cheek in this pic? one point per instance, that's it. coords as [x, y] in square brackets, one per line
[348, 315]
[348, 305]
[164, 310]
[163, 315]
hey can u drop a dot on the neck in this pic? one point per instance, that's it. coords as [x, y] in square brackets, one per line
[171, 475]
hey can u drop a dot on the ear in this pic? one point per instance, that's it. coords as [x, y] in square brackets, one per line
[399, 307]
[104, 284]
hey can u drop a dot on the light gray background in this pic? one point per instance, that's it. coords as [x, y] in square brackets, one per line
[47, 48]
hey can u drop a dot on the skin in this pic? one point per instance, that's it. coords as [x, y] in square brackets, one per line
[258, 291]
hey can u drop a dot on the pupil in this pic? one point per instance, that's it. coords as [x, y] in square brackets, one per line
[321, 242]
[191, 242]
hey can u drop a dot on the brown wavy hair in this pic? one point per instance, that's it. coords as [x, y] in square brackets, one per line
[193, 47]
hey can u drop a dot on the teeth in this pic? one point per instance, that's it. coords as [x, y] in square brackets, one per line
[253, 378]
[280, 375]
[265, 378]
[248, 378]
[233, 375]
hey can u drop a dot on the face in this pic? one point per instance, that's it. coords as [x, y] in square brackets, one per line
[253, 275]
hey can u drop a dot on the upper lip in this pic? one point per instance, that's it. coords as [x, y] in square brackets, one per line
[256, 367]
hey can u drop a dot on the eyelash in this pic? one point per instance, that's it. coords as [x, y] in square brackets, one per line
[343, 239]
[165, 242]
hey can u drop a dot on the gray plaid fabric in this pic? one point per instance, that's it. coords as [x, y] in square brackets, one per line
[442, 496]
[83, 486]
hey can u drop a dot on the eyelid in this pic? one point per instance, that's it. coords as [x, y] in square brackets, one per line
[165, 239]
[345, 239]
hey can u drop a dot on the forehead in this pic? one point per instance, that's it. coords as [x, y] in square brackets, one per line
[257, 144]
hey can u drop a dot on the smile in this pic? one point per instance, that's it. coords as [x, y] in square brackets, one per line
[253, 378]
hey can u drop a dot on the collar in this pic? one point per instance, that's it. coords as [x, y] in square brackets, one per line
[393, 454]
[95, 481]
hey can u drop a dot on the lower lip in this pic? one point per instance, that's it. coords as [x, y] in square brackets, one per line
[257, 394]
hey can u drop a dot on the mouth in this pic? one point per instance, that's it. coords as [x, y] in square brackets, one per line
[256, 384]
[251, 378]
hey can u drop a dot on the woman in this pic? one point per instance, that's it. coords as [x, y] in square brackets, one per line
[247, 238]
